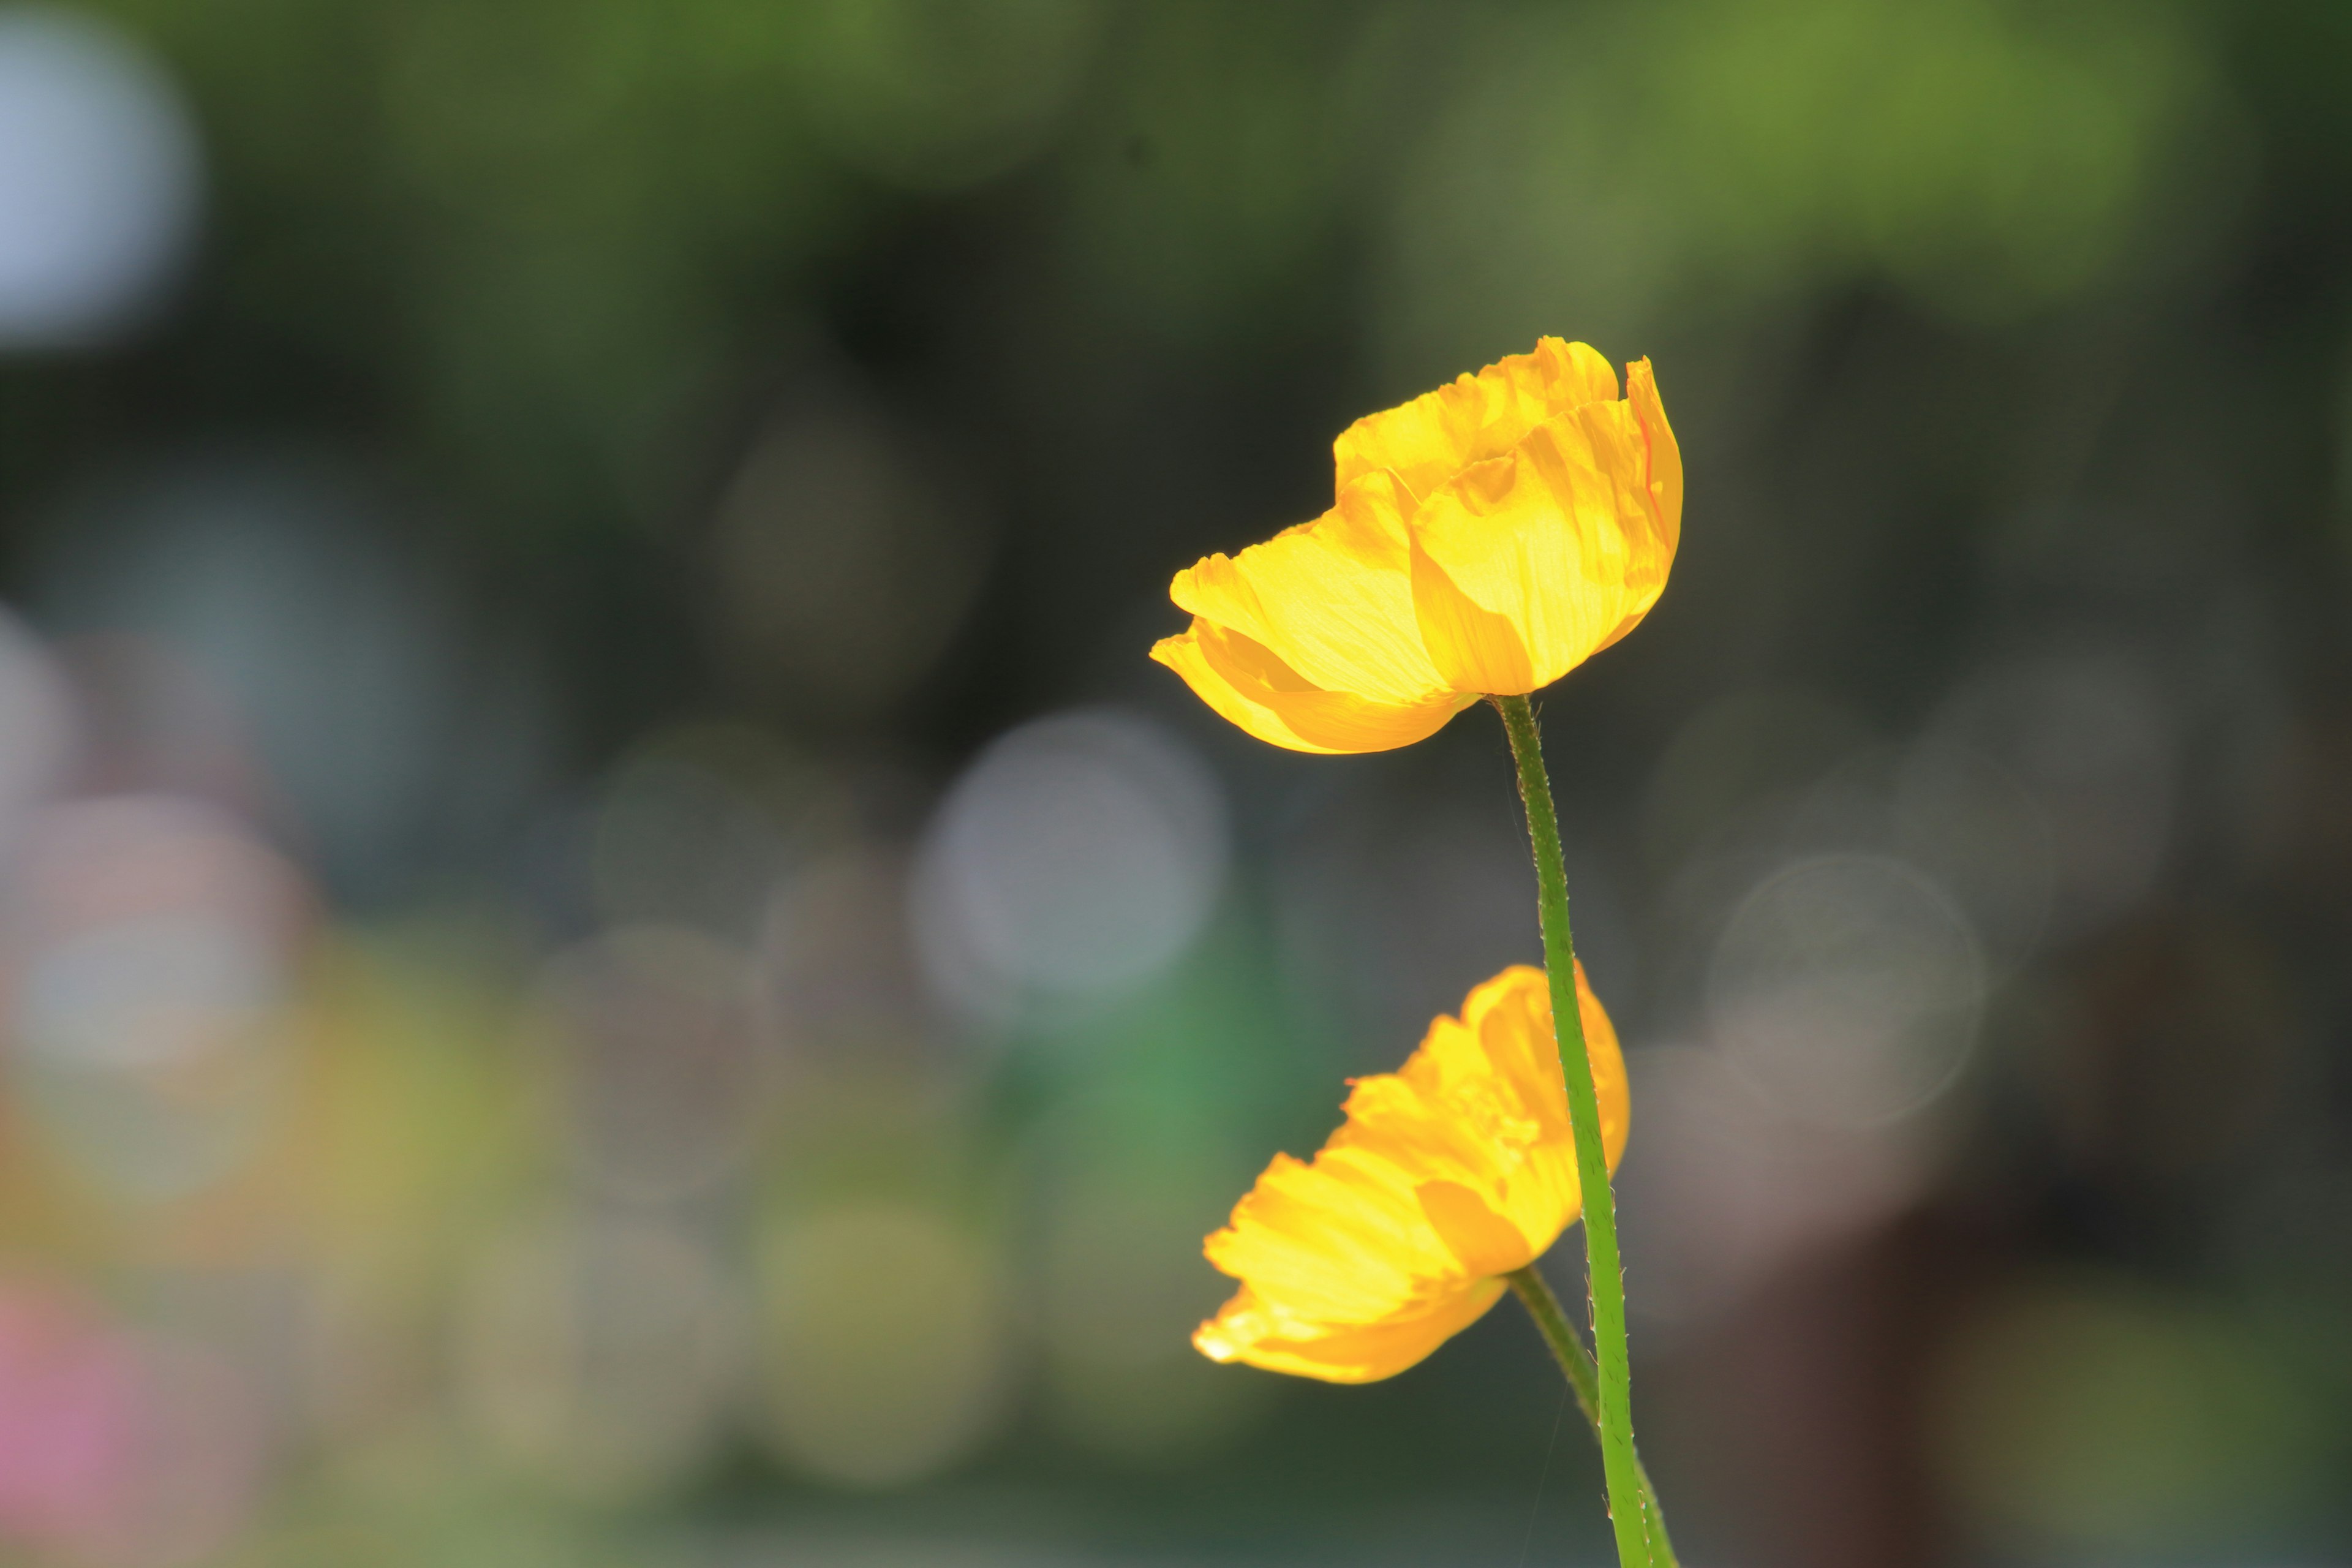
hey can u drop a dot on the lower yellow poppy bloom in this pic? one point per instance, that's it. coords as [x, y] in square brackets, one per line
[1446, 1176]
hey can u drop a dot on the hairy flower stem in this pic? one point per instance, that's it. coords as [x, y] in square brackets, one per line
[1626, 1514]
[1535, 1293]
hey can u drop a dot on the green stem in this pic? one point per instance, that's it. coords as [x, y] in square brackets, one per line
[1606, 1276]
[1551, 1322]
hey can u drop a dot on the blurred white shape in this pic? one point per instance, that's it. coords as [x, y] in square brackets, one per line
[150, 955]
[1847, 989]
[149, 991]
[600, 1355]
[149, 930]
[887, 1343]
[1077, 856]
[99, 176]
[2088, 738]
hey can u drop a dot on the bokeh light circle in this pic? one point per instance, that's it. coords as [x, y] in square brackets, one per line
[663, 1076]
[845, 560]
[601, 1353]
[885, 1342]
[1078, 857]
[1847, 989]
[98, 179]
[152, 966]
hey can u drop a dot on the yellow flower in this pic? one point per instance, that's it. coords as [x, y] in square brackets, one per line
[1486, 539]
[1446, 1176]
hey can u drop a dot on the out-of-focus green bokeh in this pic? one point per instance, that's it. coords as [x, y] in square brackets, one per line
[611, 953]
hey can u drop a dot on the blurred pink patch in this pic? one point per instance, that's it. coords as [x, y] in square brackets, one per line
[68, 1398]
[115, 1449]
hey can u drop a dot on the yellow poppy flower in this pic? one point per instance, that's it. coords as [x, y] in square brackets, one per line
[1446, 1176]
[1486, 538]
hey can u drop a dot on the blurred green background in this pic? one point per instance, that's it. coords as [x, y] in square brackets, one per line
[610, 953]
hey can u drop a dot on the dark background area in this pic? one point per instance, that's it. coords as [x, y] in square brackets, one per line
[612, 951]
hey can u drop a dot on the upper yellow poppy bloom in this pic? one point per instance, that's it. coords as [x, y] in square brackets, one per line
[1486, 539]
[1446, 1176]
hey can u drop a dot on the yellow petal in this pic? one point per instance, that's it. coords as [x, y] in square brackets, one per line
[1243, 1331]
[1526, 565]
[1663, 456]
[1484, 1242]
[1487, 1106]
[1332, 598]
[1339, 1239]
[1441, 433]
[1243, 681]
[1511, 1017]
[1445, 1176]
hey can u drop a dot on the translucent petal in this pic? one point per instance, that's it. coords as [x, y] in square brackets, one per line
[1526, 565]
[1332, 598]
[1485, 539]
[1437, 435]
[1244, 1331]
[1447, 1174]
[1662, 459]
[1248, 684]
